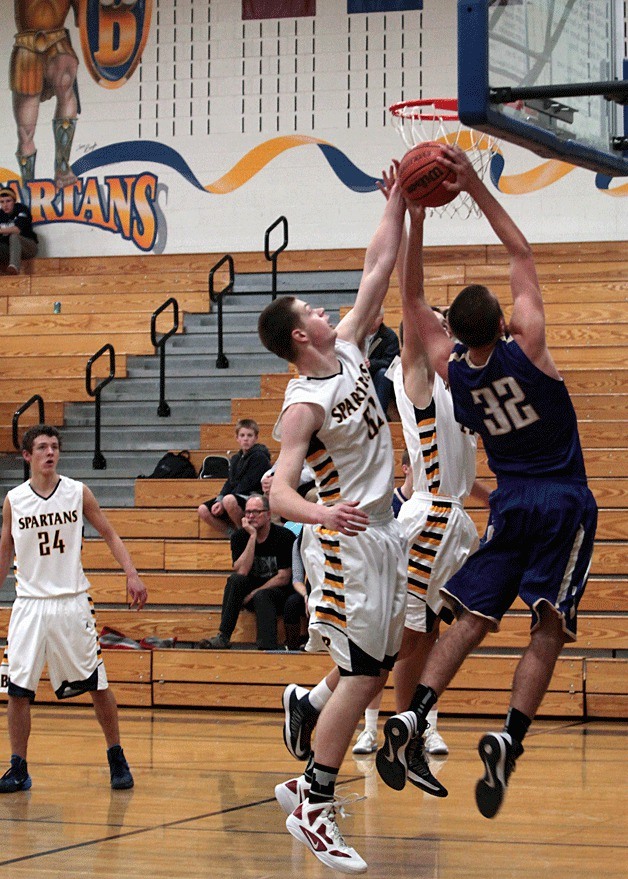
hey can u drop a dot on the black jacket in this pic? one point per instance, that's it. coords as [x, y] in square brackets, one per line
[246, 471]
[383, 348]
[20, 216]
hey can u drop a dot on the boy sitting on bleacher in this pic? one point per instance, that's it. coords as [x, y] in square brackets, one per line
[246, 468]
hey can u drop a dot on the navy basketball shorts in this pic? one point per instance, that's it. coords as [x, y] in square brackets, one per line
[538, 545]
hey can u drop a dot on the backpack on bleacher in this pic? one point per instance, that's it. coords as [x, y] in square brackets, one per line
[214, 467]
[174, 465]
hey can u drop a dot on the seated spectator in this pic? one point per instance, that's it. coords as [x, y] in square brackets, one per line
[381, 346]
[17, 238]
[246, 469]
[306, 488]
[296, 610]
[261, 579]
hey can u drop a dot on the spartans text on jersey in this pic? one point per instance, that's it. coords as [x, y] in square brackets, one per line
[47, 519]
[351, 404]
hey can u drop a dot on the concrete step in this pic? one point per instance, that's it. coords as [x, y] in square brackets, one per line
[201, 343]
[256, 302]
[234, 321]
[299, 282]
[193, 388]
[128, 464]
[240, 343]
[184, 360]
[132, 438]
[194, 363]
[182, 412]
[7, 590]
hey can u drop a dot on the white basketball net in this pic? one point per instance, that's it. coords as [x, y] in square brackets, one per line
[437, 119]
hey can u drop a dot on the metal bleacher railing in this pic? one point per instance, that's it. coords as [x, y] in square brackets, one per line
[36, 398]
[163, 410]
[99, 462]
[217, 296]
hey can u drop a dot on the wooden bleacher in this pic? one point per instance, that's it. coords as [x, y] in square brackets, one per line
[184, 564]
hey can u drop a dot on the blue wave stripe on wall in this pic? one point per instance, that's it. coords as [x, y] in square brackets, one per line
[136, 151]
[158, 153]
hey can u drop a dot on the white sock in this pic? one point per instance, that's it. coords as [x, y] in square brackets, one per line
[320, 695]
[432, 717]
[370, 719]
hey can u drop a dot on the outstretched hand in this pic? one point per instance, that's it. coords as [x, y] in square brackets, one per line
[457, 161]
[388, 180]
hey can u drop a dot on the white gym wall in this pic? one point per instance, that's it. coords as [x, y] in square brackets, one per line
[231, 97]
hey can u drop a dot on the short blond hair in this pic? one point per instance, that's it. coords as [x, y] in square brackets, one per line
[247, 424]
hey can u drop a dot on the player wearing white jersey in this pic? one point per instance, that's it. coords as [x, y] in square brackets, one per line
[354, 554]
[344, 571]
[52, 620]
[48, 536]
[440, 533]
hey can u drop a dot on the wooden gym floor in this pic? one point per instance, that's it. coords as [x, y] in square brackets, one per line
[203, 804]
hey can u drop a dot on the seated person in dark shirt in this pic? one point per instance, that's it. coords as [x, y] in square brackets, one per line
[306, 487]
[381, 346]
[403, 491]
[17, 238]
[261, 579]
[246, 469]
[296, 611]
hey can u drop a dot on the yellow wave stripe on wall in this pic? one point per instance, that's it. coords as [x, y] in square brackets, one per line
[618, 192]
[256, 159]
[536, 178]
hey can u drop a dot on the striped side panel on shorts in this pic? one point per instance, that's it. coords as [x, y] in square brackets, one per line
[332, 607]
[425, 547]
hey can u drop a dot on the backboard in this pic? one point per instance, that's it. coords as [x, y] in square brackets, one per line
[549, 75]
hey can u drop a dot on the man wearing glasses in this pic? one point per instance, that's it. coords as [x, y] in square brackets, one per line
[261, 579]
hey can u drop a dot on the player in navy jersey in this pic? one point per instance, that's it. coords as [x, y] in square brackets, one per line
[539, 539]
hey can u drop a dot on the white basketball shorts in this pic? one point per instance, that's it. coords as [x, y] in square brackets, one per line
[60, 632]
[358, 594]
[441, 536]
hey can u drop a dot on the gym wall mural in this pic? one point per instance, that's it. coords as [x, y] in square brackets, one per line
[189, 125]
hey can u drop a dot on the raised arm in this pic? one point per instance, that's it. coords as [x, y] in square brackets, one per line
[244, 562]
[527, 321]
[426, 346]
[379, 263]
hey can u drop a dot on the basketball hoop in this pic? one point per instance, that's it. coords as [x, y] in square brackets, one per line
[436, 119]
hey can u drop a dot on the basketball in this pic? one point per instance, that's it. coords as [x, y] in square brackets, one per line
[421, 176]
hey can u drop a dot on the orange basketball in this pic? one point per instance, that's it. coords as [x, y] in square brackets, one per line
[421, 176]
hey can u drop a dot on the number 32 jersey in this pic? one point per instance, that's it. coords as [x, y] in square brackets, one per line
[48, 537]
[526, 418]
[351, 454]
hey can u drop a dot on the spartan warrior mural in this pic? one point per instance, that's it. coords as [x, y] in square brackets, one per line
[43, 66]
